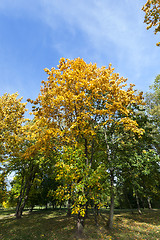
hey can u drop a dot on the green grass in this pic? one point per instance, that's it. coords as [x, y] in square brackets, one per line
[55, 225]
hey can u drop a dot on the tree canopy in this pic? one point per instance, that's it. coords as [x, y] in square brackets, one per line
[89, 129]
[152, 15]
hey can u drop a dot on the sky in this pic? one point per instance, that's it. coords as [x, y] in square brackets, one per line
[35, 34]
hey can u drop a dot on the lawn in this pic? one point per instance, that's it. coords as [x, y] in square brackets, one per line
[55, 225]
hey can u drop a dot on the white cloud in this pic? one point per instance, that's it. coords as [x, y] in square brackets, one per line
[110, 28]
[106, 25]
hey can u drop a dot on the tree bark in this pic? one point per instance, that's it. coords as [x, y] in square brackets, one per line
[69, 208]
[92, 152]
[25, 192]
[138, 205]
[96, 214]
[86, 150]
[31, 209]
[149, 203]
[80, 226]
[21, 204]
[129, 203]
[111, 213]
[46, 206]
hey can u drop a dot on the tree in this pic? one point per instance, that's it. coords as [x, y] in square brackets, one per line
[17, 134]
[12, 112]
[78, 101]
[80, 185]
[3, 187]
[152, 15]
[31, 186]
[144, 176]
[77, 96]
[12, 134]
[153, 109]
[31, 170]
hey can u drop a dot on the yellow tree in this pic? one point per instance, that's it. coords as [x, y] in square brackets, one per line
[78, 98]
[77, 101]
[152, 15]
[17, 135]
[12, 112]
[14, 139]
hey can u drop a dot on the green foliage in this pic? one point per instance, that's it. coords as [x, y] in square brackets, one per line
[90, 140]
[79, 182]
[3, 188]
[153, 109]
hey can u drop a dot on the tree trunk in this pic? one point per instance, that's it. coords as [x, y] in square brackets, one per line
[69, 208]
[129, 203]
[20, 204]
[92, 152]
[20, 208]
[20, 198]
[95, 215]
[31, 209]
[149, 203]
[17, 214]
[86, 150]
[138, 205]
[142, 201]
[46, 206]
[80, 226]
[53, 204]
[86, 213]
[23, 205]
[111, 213]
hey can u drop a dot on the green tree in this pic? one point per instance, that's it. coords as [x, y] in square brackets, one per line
[153, 109]
[3, 186]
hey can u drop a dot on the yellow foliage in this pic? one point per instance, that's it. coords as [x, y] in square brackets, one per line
[5, 204]
[11, 124]
[152, 15]
[75, 95]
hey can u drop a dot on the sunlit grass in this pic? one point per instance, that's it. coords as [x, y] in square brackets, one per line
[52, 225]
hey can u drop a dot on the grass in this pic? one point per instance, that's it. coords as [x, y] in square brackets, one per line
[55, 225]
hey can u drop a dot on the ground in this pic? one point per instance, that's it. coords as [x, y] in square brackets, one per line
[55, 225]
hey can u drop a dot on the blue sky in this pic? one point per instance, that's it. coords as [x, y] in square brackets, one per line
[35, 34]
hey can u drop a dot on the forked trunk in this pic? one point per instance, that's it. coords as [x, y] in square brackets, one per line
[20, 208]
[22, 200]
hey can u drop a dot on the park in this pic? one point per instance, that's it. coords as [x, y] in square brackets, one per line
[84, 163]
[54, 224]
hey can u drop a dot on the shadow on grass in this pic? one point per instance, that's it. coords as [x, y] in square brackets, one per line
[38, 225]
[6, 212]
[54, 224]
[147, 216]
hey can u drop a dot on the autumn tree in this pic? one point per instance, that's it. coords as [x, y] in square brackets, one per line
[12, 112]
[152, 15]
[15, 139]
[78, 101]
